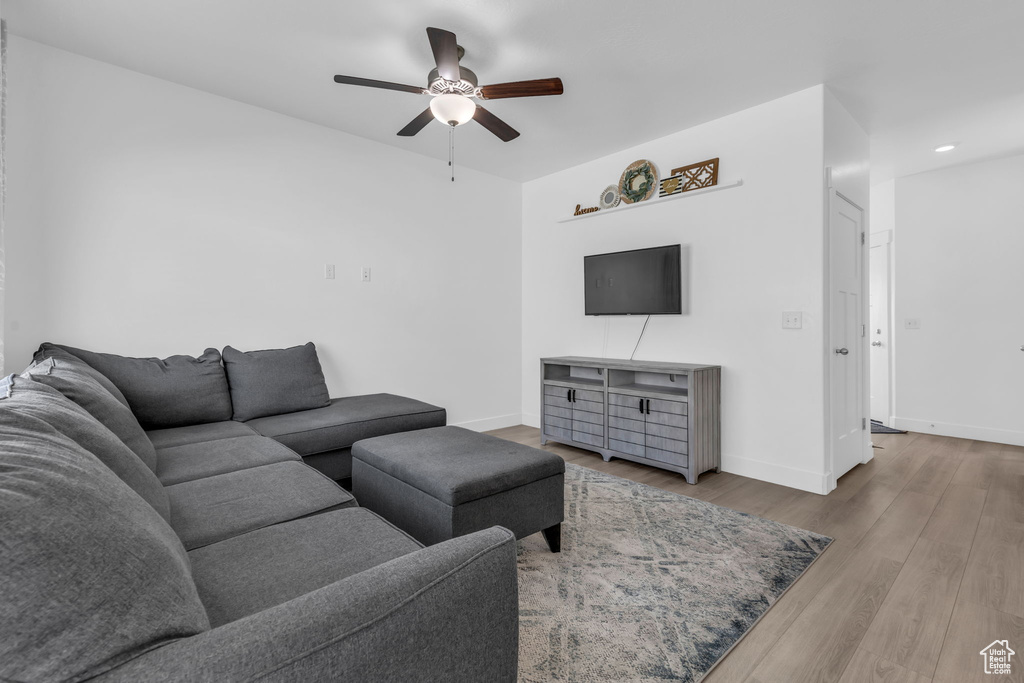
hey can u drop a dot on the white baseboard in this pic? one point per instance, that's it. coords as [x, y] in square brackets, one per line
[813, 482]
[531, 420]
[1007, 436]
[489, 423]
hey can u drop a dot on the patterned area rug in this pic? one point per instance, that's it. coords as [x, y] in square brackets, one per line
[650, 585]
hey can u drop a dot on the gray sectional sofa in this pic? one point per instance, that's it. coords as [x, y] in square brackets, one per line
[160, 520]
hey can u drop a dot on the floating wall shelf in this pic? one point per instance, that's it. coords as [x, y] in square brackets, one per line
[652, 202]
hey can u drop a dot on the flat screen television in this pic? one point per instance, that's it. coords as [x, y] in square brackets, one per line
[637, 282]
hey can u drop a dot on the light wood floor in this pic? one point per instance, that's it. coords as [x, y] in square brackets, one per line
[927, 566]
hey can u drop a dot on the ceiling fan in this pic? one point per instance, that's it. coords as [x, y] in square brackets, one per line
[453, 87]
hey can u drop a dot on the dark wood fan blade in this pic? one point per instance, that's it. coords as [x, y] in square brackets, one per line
[494, 124]
[370, 83]
[418, 123]
[541, 86]
[446, 53]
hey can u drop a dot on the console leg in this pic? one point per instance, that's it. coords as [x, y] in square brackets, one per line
[553, 535]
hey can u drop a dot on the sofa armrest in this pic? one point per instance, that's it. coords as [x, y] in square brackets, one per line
[449, 612]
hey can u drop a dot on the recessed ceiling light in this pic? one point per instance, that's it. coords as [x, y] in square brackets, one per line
[946, 147]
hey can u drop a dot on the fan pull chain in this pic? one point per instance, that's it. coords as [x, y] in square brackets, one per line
[451, 149]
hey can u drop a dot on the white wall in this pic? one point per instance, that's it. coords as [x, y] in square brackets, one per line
[847, 153]
[755, 251]
[959, 243]
[146, 218]
[883, 206]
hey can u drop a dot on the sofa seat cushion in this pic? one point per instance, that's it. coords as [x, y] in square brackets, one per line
[71, 379]
[275, 381]
[209, 458]
[169, 392]
[92, 576]
[347, 420]
[212, 509]
[211, 431]
[22, 396]
[249, 573]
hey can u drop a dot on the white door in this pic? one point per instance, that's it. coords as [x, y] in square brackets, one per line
[846, 285]
[880, 350]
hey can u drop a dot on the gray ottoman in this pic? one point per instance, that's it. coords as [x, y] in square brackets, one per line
[445, 482]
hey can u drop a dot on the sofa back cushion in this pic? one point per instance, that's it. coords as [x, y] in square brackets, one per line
[173, 392]
[26, 397]
[92, 575]
[49, 350]
[275, 381]
[71, 379]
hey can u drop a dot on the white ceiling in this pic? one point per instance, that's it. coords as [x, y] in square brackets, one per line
[915, 73]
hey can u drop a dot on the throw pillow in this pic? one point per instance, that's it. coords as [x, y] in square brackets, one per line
[48, 350]
[70, 379]
[176, 391]
[275, 381]
[24, 396]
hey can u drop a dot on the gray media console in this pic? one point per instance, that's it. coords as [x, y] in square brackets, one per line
[659, 414]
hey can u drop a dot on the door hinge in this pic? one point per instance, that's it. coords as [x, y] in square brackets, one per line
[863, 330]
[863, 423]
[862, 238]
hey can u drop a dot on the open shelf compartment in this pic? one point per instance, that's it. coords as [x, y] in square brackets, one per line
[574, 374]
[646, 382]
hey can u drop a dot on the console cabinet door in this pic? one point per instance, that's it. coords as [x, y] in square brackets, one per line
[627, 432]
[588, 417]
[557, 412]
[666, 435]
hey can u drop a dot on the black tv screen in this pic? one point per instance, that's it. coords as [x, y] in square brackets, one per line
[637, 282]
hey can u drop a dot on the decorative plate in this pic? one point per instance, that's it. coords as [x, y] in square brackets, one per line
[609, 197]
[638, 181]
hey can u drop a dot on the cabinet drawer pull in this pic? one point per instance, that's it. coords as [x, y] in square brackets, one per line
[641, 406]
[568, 395]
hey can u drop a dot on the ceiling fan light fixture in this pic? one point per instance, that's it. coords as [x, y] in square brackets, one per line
[452, 109]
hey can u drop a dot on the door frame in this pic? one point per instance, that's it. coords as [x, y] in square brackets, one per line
[864, 375]
[884, 239]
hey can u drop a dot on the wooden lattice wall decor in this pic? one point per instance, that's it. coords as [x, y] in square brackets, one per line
[692, 177]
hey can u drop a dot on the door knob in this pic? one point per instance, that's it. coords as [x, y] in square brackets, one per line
[876, 343]
[842, 352]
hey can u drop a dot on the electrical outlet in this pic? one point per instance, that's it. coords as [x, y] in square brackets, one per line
[792, 320]
[328, 271]
[364, 274]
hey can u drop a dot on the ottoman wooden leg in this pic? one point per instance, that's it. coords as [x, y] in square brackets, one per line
[553, 535]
